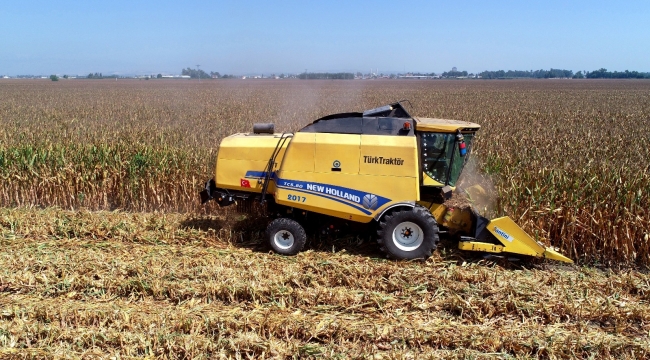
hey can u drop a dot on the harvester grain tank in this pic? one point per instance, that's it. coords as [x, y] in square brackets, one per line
[381, 167]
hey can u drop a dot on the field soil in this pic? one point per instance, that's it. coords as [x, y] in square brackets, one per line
[124, 285]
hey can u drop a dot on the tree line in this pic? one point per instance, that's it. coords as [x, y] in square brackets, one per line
[536, 74]
[499, 74]
[604, 74]
[98, 75]
[197, 73]
[563, 74]
[342, 75]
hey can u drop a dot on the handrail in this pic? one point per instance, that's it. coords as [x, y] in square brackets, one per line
[270, 165]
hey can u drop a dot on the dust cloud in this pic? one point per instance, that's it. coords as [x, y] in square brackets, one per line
[468, 191]
[308, 100]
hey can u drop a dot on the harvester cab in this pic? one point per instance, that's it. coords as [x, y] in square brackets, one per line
[382, 167]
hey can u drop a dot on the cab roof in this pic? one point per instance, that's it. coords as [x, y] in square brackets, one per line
[443, 125]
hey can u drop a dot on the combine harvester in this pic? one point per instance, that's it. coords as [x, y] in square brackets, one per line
[382, 167]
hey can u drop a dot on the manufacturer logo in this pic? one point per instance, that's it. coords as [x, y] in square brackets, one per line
[370, 201]
[503, 234]
[336, 164]
[382, 160]
[334, 192]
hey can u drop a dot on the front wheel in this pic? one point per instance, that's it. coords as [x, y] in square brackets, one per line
[286, 236]
[408, 234]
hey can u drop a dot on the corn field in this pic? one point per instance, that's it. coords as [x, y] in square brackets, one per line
[106, 251]
[569, 159]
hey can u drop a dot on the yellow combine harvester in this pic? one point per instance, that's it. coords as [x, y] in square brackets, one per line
[381, 167]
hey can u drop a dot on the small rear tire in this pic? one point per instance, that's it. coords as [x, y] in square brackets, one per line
[286, 236]
[408, 234]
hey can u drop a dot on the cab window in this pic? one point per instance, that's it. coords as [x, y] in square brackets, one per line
[438, 152]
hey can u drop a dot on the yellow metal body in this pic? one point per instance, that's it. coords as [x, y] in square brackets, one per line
[356, 177]
[429, 181]
[353, 177]
[242, 159]
[514, 240]
[348, 176]
[443, 125]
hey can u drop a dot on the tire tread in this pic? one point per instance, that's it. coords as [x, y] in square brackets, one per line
[419, 215]
[298, 232]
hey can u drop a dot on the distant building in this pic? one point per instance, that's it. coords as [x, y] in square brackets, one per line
[173, 76]
[418, 76]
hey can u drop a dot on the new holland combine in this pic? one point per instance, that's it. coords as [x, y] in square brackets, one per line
[382, 167]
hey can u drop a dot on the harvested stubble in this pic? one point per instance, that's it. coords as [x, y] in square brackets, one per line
[84, 284]
[570, 160]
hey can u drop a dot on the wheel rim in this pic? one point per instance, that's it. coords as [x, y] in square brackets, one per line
[408, 236]
[283, 239]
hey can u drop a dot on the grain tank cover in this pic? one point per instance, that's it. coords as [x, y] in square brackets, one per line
[390, 119]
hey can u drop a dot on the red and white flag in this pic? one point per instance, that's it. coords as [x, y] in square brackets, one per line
[245, 183]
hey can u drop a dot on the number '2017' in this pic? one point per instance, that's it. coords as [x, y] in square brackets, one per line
[296, 198]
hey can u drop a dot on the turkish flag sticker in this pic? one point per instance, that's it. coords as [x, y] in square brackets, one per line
[245, 183]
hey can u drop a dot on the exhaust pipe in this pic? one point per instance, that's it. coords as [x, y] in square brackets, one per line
[263, 128]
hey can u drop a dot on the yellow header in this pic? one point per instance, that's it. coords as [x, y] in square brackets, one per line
[443, 125]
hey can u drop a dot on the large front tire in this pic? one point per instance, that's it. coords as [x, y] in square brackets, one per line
[286, 236]
[408, 234]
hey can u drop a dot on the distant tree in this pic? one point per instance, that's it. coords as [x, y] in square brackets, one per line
[65, 76]
[159, 76]
[194, 74]
[90, 76]
[54, 78]
[579, 75]
[453, 74]
[281, 76]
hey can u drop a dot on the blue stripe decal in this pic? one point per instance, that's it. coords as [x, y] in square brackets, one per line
[329, 198]
[360, 200]
[258, 174]
[342, 194]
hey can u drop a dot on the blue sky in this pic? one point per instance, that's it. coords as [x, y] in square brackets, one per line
[246, 37]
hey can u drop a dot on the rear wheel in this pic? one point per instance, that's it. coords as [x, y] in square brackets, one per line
[286, 236]
[408, 234]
